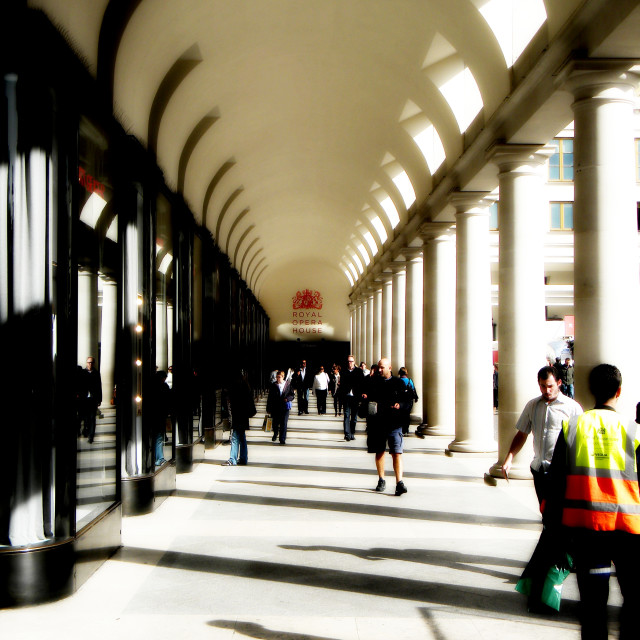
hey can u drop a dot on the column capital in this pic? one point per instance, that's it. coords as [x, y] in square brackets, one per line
[397, 266]
[604, 78]
[517, 157]
[411, 254]
[384, 277]
[430, 230]
[470, 201]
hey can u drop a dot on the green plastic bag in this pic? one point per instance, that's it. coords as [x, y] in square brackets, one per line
[552, 588]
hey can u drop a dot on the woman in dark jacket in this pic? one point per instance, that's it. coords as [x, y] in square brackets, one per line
[241, 408]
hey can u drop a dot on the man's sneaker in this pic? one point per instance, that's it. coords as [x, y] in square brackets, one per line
[400, 488]
[382, 485]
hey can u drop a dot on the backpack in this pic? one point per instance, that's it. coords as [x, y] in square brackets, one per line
[413, 388]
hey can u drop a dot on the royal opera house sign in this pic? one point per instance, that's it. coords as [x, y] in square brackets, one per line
[306, 316]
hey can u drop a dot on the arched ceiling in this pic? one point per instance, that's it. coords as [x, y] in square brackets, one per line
[289, 124]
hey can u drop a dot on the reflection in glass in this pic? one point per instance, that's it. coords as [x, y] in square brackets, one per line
[198, 372]
[97, 315]
[165, 301]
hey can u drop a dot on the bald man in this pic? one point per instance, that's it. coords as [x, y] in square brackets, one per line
[384, 429]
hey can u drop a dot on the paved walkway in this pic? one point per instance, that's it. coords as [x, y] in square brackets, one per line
[298, 546]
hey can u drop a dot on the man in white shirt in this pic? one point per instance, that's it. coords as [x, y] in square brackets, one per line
[321, 389]
[543, 417]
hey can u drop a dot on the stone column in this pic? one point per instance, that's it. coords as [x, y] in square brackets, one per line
[521, 314]
[169, 335]
[413, 327]
[377, 326]
[606, 288]
[398, 314]
[352, 326]
[368, 348]
[387, 316]
[88, 323]
[108, 331]
[162, 355]
[439, 335]
[362, 333]
[474, 370]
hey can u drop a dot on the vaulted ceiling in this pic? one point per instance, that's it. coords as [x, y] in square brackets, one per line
[299, 130]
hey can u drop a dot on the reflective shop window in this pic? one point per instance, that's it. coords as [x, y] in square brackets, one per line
[96, 248]
[165, 309]
[196, 323]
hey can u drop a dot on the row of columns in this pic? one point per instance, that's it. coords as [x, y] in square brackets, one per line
[97, 328]
[431, 308]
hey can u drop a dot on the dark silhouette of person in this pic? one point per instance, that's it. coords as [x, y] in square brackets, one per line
[160, 410]
[91, 398]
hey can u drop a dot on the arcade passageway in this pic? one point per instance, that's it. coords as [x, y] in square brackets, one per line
[297, 545]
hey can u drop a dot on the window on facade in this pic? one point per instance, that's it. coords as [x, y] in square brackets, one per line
[561, 216]
[561, 162]
[493, 216]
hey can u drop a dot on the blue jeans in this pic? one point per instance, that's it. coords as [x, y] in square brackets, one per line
[238, 445]
[350, 415]
[159, 449]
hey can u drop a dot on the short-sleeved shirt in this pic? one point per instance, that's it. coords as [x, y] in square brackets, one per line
[545, 422]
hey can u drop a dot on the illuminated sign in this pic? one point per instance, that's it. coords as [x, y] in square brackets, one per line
[307, 299]
[307, 321]
[90, 183]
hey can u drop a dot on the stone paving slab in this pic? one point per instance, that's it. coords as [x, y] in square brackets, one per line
[297, 545]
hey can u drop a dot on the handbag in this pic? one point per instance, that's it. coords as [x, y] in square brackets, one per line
[372, 409]
[267, 423]
[552, 589]
[549, 564]
[413, 388]
[363, 409]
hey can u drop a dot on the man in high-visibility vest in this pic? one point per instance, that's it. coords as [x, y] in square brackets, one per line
[594, 501]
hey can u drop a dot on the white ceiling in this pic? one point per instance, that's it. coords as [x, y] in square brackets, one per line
[310, 99]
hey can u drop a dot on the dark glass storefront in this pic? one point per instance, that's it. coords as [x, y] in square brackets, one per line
[107, 285]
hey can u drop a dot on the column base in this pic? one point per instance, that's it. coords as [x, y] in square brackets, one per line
[57, 568]
[143, 494]
[210, 438]
[473, 446]
[434, 430]
[188, 455]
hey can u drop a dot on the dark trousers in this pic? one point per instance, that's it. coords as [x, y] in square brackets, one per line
[540, 484]
[321, 396]
[89, 428]
[303, 401]
[350, 415]
[593, 553]
[337, 403]
[279, 425]
[544, 555]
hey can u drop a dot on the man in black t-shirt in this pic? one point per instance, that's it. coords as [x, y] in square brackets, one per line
[384, 429]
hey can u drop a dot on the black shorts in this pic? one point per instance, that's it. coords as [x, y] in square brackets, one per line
[377, 441]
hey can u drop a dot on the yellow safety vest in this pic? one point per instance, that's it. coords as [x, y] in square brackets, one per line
[602, 490]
